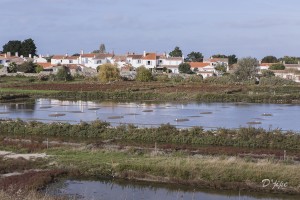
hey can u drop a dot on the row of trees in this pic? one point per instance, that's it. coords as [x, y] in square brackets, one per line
[26, 67]
[24, 48]
[196, 56]
[109, 72]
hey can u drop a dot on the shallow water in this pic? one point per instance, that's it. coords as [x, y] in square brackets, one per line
[207, 115]
[121, 190]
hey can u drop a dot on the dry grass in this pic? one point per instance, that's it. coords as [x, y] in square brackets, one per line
[21, 195]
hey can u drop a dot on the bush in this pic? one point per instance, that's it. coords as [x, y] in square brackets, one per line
[177, 79]
[267, 73]
[143, 74]
[228, 79]
[162, 78]
[63, 74]
[277, 66]
[43, 77]
[274, 80]
[194, 78]
[108, 73]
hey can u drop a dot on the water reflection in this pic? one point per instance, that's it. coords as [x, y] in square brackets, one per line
[120, 190]
[149, 114]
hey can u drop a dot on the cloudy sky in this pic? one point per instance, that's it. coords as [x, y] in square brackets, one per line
[245, 28]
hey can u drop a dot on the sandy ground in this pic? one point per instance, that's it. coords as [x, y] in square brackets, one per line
[30, 156]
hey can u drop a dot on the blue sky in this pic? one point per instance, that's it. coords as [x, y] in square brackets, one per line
[245, 28]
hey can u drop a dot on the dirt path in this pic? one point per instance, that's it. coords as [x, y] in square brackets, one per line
[29, 156]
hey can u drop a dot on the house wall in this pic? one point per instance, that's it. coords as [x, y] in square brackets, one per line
[149, 64]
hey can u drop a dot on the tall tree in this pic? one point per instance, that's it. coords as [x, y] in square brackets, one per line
[176, 52]
[194, 57]
[269, 59]
[28, 47]
[232, 59]
[12, 46]
[102, 48]
[247, 69]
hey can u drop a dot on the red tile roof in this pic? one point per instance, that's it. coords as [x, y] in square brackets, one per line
[45, 65]
[198, 64]
[89, 55]
[266, 64]
[150, 56]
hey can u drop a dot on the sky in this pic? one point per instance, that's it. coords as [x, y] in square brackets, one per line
[254, 28]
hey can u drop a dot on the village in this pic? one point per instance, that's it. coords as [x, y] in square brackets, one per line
[87, 64]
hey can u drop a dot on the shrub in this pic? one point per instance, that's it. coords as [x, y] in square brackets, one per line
[63, 74]
[228, 79]
[267, 73]
[108, 72]
[274, 80]
[194, 78]
[143, 74]
[162, 78]
[177, 79]
[277, 66]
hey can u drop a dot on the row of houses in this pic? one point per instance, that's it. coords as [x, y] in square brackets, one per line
[88, 63]
[291, 72]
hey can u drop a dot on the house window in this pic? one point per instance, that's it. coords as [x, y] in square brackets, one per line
[70, 61]
[99, 62]
[148, 62]
[139, 61]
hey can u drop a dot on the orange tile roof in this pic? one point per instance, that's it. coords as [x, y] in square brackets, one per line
[266, 64]
[198, 64]
[72, 57]
[150, 56]
[45, 65]
[88, 55]
[58, 57]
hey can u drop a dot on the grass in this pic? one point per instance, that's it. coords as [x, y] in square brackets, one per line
[32, 195]
[165, 134]
[204, 171]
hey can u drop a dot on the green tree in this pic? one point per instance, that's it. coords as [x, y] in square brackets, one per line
[247, 69]
[143, 74]
[108, 72]
[219, 56]
[267, 73]
[232, 59]
[290, 60]
[277, 66]
[28, 47]
[185, 68]
[27, 67]
[176, 52]
[269, 59]
[12, 46]
[38, 68]
[194, 57]
[63, 74]
[12, 67]
[221, 68]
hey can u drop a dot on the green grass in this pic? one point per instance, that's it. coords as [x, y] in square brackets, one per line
[187, 169]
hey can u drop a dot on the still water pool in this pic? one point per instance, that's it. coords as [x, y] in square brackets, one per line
[124, 190]
[147, 114]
